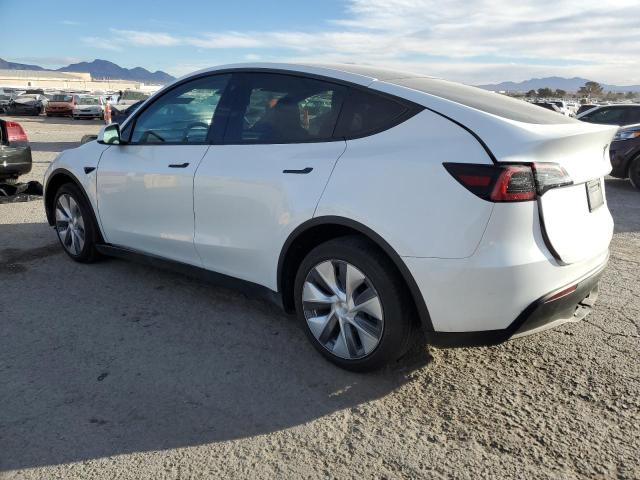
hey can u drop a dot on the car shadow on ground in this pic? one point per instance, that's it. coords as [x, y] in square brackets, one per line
[114, 358]
[52, 146]
[624, 203]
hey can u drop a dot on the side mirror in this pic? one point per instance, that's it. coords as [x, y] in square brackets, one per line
[109, 134]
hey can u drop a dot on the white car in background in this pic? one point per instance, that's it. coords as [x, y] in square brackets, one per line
[369, 202]
[89, 106]
[564, 108]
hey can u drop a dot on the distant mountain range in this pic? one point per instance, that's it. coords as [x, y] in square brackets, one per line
[567, 84]
[100, 70]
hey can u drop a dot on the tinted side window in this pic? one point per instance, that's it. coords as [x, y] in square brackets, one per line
[365, 113]
[611, 115]
[633, 115]
[275, 108]
[183, 114]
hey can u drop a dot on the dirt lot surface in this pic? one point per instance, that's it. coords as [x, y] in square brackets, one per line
[116, 370]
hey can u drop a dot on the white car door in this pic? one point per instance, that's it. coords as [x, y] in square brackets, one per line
[145, 186]
[266, 178]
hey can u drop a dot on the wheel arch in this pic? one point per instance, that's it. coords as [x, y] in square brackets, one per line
[321, 229]
[58, 178]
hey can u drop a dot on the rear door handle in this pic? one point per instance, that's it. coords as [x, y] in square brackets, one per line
[302, 171]
[179, 165]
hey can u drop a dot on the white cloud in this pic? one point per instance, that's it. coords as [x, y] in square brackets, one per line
[146, 39]
[476, 41]
[102, 43]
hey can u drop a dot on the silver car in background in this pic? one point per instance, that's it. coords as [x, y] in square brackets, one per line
[89, 106]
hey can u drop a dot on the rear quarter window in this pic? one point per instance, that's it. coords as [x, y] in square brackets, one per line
[365, 113]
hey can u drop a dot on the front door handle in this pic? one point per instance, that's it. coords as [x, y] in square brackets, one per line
[302, 171]
[179, 165]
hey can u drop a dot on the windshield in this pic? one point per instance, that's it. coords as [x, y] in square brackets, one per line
[28, 97]
[61, 98]
[89, 101]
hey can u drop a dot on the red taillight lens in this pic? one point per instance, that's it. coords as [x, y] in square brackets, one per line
[515, 184]
[509, 183]
[15, 133]
[496, 183]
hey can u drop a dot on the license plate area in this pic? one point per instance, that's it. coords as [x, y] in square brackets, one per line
[594, 194]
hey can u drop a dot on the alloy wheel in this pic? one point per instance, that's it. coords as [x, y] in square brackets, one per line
[343, 309]
[70, 224]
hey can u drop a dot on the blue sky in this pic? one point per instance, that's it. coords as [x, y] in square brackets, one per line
[474, 41]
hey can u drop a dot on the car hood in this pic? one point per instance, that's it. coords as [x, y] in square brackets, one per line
[26, 101]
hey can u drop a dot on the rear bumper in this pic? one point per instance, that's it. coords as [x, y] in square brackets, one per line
[14, 161]
[553, 309]
[511, 270]
[620, 154]
[87, 114]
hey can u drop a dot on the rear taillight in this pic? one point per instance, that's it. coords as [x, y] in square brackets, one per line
[508, 183]
[514, 184]
[550, 175]
[15, 133]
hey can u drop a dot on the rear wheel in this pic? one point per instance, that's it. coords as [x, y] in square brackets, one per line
[75, 226]
[351, 303]
[634, 173]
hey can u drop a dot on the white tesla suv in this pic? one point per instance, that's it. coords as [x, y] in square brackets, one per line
[369, 202]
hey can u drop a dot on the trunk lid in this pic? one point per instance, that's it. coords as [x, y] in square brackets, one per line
[575, 218]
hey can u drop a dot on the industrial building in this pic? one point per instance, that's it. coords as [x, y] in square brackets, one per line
[73, 81]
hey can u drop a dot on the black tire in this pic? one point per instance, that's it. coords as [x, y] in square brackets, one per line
[383, 275]
[88, 254]
[634, 173]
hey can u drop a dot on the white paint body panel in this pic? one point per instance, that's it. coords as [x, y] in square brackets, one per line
[395, 184]
[74, 161]
[246, 207]
[146, 205]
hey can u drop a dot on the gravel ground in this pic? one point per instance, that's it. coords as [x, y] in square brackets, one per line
[116, 370]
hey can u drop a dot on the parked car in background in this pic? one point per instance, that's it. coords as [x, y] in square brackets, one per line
[627, 114]
[28, 104]
[562, 105]
[15, 152]
[624, 153]
[119, 113]
[586, 107]
[61, 104]
[371, 202]
[573, 108]
[549, 106]
[89, 106]
[5, 101]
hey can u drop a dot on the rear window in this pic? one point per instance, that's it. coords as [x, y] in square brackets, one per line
[366, 113]
[490, 102]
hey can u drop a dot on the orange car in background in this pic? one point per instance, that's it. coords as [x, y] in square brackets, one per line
[61, 104]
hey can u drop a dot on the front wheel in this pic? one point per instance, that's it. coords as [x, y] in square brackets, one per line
[350, 300]
[75, 224]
